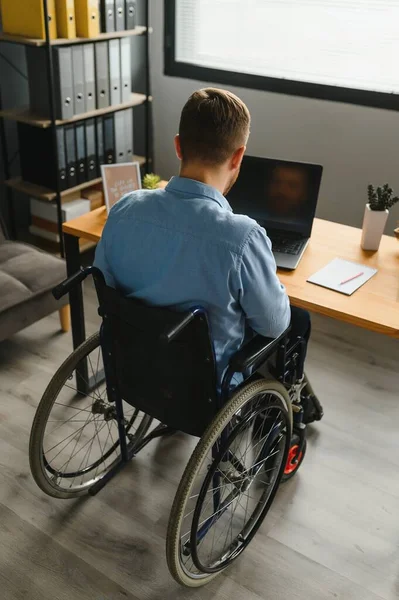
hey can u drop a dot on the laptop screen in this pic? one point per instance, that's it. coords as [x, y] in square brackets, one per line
[278, 194]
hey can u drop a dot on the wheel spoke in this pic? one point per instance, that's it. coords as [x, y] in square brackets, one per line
[248, 471]
[78, 447]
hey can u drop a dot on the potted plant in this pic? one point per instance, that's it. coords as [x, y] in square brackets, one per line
[151, 181]
[376, 215]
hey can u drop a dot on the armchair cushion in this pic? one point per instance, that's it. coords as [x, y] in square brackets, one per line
[26, 272]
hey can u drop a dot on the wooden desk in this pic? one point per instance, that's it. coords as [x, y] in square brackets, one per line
[374, 306]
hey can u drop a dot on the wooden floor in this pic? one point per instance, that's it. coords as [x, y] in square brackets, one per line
[333, 531]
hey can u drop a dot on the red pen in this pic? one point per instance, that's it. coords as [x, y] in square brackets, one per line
[352, 278]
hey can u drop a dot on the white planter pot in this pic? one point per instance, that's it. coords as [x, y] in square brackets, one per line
[373, 227]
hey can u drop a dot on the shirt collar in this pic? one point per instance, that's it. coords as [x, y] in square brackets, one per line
[197, 189]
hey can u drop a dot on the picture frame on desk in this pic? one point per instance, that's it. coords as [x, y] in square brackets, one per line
[118, 180]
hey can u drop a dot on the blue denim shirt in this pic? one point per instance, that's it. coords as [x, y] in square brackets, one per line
[183, 247]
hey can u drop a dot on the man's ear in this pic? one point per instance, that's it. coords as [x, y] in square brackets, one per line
[237, 157]
[178, 147]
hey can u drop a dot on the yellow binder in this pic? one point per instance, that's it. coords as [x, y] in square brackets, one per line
[66, 24]
[87, 18]
[26, 18]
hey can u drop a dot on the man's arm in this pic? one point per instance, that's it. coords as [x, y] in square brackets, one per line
[262, 297]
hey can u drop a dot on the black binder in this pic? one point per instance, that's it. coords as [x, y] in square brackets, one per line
[109, 139]
[130, 14]
[81, 152]
[100, 144]
[119, 15]
[62, 170]
[91, 149]
[38, 164]
[70, 145]
[107, 16]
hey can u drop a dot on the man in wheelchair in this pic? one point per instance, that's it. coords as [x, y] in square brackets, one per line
[182, 246]
[192, 311]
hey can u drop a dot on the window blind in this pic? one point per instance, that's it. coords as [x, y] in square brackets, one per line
[345, 43]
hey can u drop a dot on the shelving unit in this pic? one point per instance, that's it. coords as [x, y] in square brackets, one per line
[17, 39]
[43, 193]
[24, 115]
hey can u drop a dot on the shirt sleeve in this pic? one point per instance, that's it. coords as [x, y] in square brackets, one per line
[262, 297]
[101, 262]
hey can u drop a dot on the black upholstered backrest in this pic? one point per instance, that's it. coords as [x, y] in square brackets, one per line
[173, 382]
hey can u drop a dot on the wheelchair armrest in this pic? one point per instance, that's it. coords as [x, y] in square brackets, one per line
[255, 352]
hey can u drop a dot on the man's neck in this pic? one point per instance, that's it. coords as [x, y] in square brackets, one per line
[210, 177]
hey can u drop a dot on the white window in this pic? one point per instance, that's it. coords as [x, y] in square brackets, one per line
[350, 44]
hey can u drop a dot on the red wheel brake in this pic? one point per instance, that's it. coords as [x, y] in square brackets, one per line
[293, 460]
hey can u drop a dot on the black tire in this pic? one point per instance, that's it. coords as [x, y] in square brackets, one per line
[47, 475]
[233, 418]
[290, 464]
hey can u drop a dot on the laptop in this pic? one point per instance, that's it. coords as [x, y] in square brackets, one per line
[282, 197]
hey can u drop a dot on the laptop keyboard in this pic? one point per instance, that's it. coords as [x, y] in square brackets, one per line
[285, 244]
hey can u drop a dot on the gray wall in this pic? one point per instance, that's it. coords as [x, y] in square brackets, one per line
[356, 145]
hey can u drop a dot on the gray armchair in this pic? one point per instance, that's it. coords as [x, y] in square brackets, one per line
[27, 277]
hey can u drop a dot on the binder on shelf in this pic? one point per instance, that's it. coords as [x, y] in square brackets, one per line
[120, 142]
[28, 20]
[78, 79]
[63, 82]
[81, 163]
[102, 74]
[114, 49]
[120, 15]
[130, 14]
[100, 144]
[89, 76]
[38, 81]
[129, 136]
[87, 18]
[66, 23]
[109, 139]
[70, 146]
[126, 69]
[62, 167]
[91, 155]
[37, 157]
[107, 16]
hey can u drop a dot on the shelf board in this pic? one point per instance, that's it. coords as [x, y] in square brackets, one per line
[43, 193]
[26, 236]
[18, 39]
[23, 115]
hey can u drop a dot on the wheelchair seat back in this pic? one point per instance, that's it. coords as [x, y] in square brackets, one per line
[173, 382]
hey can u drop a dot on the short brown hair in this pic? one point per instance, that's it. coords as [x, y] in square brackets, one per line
[214, 124]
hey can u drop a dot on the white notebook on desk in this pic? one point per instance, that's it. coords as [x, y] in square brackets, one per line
[343, 276]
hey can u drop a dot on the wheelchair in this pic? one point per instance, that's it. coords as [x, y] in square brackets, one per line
[150, 372]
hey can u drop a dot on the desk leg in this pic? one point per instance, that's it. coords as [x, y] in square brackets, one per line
[72, 255]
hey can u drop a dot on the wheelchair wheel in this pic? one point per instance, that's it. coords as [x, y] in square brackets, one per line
[74, 440]
[226, 491]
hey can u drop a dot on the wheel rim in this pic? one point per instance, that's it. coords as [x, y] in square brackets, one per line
[201, 552]
[293, 460]
[80, 441]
